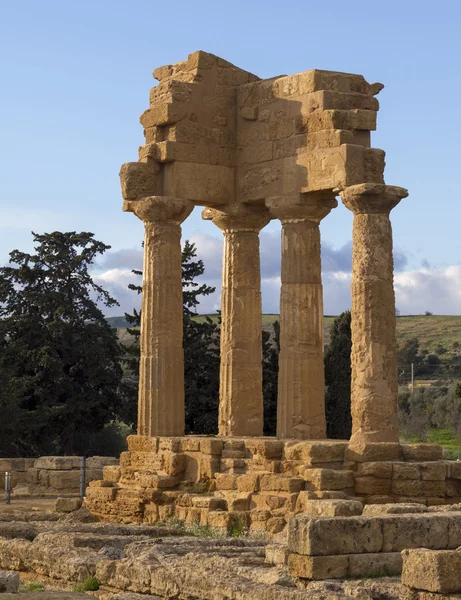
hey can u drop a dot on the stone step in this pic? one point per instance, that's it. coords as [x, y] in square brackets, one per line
[327, 479]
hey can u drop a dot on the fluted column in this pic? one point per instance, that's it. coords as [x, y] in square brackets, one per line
[240, 395]
[161, 367]
[301, 380]
[374, 364]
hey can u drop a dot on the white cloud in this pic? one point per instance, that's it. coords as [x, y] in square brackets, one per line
[435, 290]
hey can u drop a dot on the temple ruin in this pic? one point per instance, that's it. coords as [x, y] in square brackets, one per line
[252, 150]
[248, 151]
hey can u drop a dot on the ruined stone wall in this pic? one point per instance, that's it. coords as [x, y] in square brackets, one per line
[50, 475]
[260, 483]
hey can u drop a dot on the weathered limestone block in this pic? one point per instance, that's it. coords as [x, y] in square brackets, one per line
[422, 452]
[317, 567]
[55, 463]
[277, 483]
[139, 180]
[312, 453]
[374, 510]
[276, 554]
[270, 449]
[370, 486]
[328, 508]
[161, 379]
[416, 531]
[413, 487]
[371, 565]
[331, 536]
[406, 471]
[328, 479]
[301, 381]
[241, 405]
[64, 480]
[67, 505]
[373, 452]
[379, 470]
[432, 570]
[374, 366]
[9, 582]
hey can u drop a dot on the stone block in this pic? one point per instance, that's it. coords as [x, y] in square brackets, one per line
[101, 494]
[239, 502]
[232, 454]
[112, 473]
[64, 480]
[374, 510]
[414, 487]
[415, 531]
[406, 471]
[432, 570]
[190, 444]
[11, 464]
[375, 565]
[226, 481]
[328, 508]
[270, 449]
[276, 554]
[174, 464]
[422, 452]
[277, 483]
[317, 567]
[453, 469]
[54, 463]
[139, 180]
[67, 505]
[276, 525]
[9, 582]
[358, 119]
[142, 443]
[169, 444]
[209, 466]
[162, 114]
[248, 482]
[199, 183]
[101, 483]
[330, 536]
[380, 470]
[328, 479]
[372, 486]
[433, 471]
[373, 452]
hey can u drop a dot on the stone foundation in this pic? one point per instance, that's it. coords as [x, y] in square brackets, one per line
[50, 475]
[257, 484]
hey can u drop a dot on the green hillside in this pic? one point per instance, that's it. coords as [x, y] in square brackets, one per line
[434, 332]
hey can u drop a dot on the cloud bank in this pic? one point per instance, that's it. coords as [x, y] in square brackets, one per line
[417, 291]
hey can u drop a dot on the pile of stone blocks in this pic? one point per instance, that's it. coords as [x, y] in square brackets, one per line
[365, 546]
[436, 571]
[51, 475]
[259, 483]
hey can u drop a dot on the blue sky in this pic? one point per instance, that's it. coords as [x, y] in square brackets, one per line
[76, 75]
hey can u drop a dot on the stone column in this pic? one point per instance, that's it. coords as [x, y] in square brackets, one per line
[374, 364]
[240, 395]
[301, 382]
[161, 367]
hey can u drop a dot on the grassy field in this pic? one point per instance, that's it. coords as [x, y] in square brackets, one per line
[432, 331]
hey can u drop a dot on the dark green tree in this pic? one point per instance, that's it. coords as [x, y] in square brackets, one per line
[338, 378]
[201, 352]
[59, 358]
[271, 351]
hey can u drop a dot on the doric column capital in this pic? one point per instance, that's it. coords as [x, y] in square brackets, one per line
[237, 218]
[372, 198]
[311, 206]
[159, 209]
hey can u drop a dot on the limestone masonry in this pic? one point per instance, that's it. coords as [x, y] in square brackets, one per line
[250, 150]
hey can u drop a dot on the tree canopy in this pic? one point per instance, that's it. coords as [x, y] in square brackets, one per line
[59, 358]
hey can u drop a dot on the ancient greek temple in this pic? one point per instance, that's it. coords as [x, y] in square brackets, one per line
[250, 150]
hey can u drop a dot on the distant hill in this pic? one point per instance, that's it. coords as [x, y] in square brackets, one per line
[434, 332]
[118, 322]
